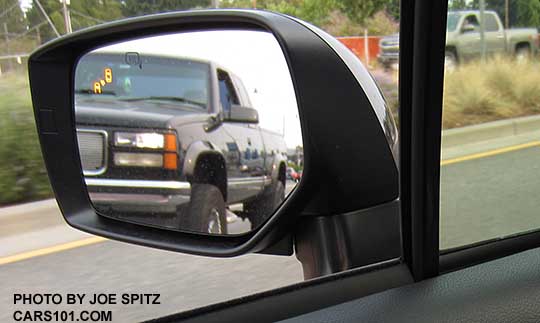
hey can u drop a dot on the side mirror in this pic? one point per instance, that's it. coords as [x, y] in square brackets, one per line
[131, 98]
[468, 27]
[242, 114]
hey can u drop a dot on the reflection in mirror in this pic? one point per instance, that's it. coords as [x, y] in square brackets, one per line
[192, 131]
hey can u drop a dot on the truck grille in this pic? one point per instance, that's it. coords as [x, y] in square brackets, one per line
[390, 43]
[92, 149]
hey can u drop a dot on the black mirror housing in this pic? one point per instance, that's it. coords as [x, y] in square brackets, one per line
[350, 138]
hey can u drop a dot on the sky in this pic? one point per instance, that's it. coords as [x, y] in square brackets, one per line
[254, 56]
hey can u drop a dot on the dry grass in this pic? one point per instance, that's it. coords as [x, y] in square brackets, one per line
[501, 88]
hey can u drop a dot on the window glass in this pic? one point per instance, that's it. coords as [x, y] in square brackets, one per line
[471, 20]
[227, 94]
[491, 22]
[452, 21]
[242, 91]
[159, 78]
[490, 155]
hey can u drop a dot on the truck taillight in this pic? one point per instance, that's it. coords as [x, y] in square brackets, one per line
[170, 157]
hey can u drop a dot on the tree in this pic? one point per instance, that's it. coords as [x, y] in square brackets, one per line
[522, 13]
[90, 12]
[12, 14]
[36, 17]
[359, 10]
[132, 8]
[338, 17]
[83, 14]
[315, 11]
[457, 4]
[392, 8]
[527, 13]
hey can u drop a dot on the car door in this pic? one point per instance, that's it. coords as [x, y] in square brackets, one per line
[468, 40]
[263, 163]
[246, 176]
[495, 36]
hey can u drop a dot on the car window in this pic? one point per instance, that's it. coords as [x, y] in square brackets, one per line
[452, 21]
[151, 77]
[471, 20]
[242, 92]
[227, 93]
[491, 22]
[490, 175]
[41, 254]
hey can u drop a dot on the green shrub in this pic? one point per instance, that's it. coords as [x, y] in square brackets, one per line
[22, 173]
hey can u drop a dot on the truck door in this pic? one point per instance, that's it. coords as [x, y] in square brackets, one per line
[469, 41]
[494, 33]
[245, 175]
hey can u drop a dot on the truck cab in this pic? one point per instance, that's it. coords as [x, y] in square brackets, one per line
[174, 140]
[463, 40]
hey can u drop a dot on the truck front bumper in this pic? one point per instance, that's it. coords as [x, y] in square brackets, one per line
[140, 196]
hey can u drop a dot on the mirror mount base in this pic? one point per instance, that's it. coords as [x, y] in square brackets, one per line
[330, 244]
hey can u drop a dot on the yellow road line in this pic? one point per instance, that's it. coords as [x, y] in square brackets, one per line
[93, 240]
[49, 250]
[490, 153]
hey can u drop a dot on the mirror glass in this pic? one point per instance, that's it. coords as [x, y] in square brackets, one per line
[195, 131]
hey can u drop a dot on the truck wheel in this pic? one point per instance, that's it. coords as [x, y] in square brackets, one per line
[258, 210]
[450, 60]
[523, 53]
[206, 211]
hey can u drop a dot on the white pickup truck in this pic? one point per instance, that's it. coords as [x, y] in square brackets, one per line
[463, 37]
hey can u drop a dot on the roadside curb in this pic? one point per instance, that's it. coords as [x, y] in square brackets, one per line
[27, 208]
[489, 130]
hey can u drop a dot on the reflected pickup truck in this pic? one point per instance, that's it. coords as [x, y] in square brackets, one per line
[464, 41]
[161, 135]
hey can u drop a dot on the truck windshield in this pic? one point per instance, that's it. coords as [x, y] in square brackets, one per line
[109, 77]
[452, 21]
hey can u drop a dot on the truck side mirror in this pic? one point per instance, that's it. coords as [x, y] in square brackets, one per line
[242, 114]
[467, 28]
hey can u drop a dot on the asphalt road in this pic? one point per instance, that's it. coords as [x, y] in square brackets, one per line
[183, 281]
[491, 197]
[482, 197]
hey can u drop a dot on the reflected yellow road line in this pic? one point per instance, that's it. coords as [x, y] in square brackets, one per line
[490, 153]
[49, 250]
[94, 240]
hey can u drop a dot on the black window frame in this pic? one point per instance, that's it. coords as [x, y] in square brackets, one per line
[421, 75]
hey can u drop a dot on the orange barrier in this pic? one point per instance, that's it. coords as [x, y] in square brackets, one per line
[357, 45]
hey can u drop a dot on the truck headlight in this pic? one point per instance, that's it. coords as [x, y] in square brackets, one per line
[139, 140]
[138, 159]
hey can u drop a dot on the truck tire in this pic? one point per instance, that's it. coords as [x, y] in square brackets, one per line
[260, 209]
[206, 211]
[450, 60]
[523, 53]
